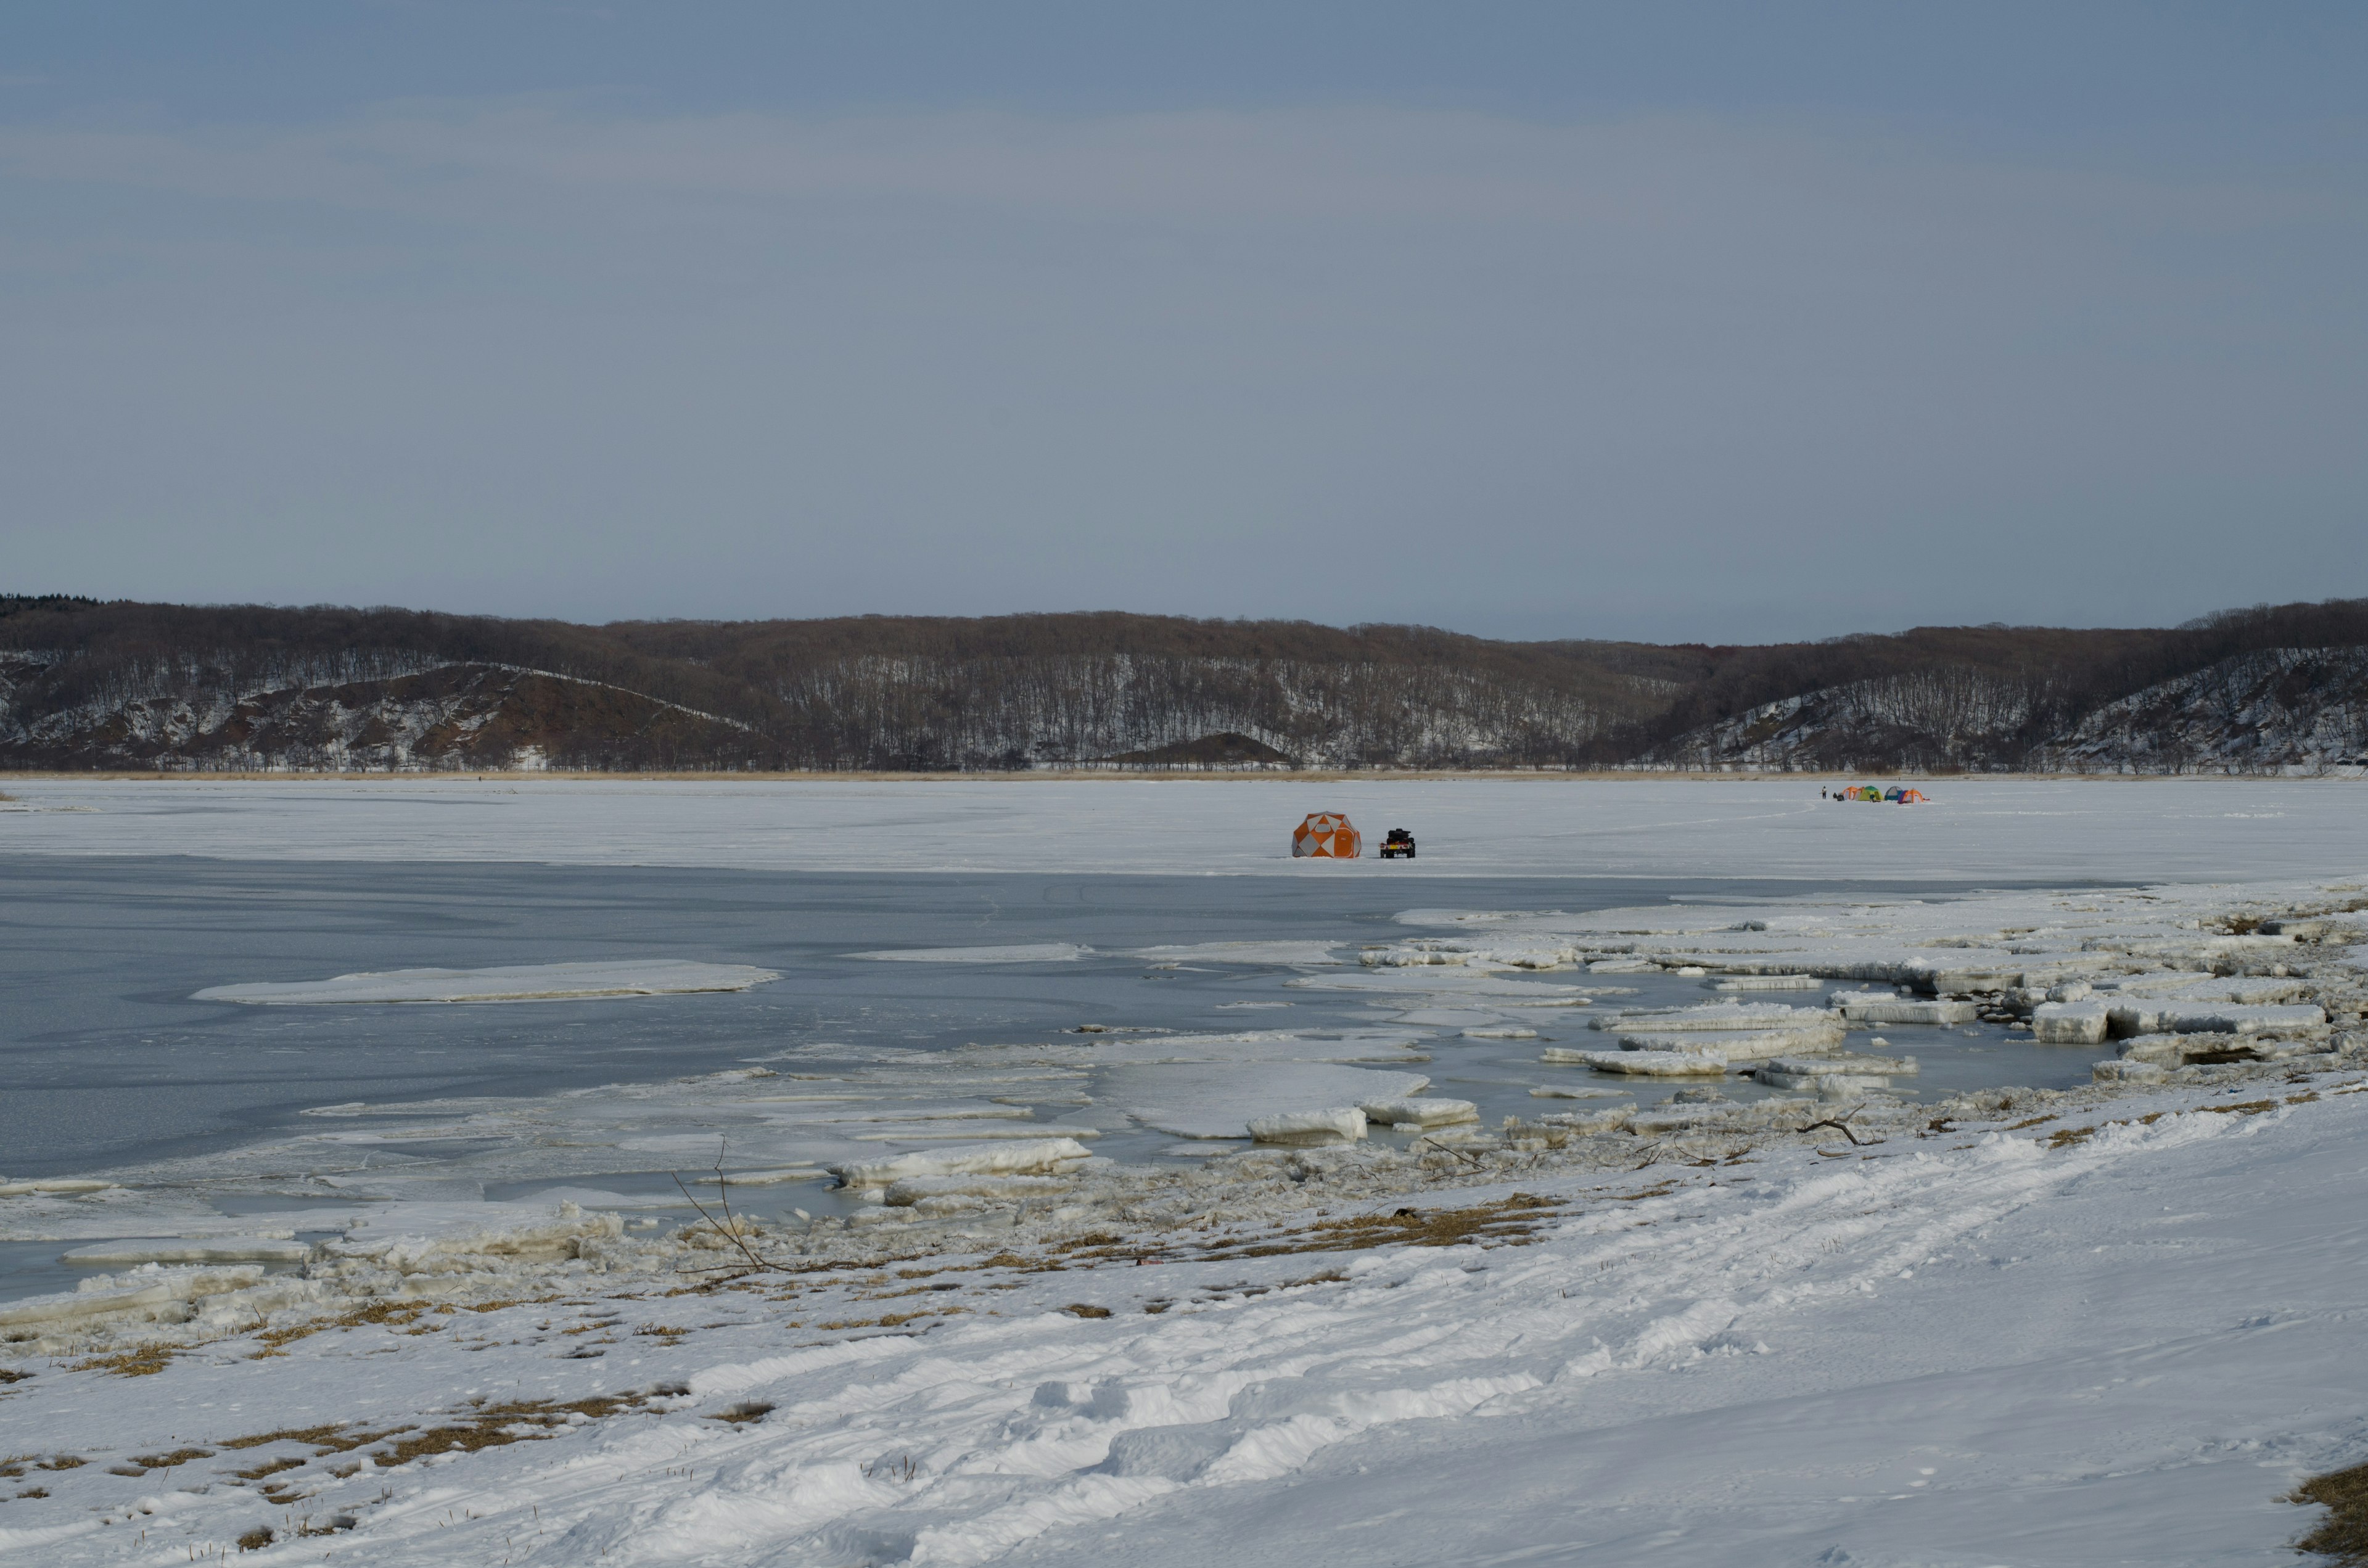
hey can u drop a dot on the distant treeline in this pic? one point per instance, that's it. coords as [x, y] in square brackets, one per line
[86, 684]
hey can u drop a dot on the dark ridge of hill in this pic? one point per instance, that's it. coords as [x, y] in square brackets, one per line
[92, 685]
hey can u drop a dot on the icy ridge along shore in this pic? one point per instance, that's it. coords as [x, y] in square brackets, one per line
[1034, 1193]
[919, 1395]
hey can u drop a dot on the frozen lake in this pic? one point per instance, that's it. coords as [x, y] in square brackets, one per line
[115, 1067]
[111, 1061]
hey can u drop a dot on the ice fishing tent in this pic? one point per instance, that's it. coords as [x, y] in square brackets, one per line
[1327, 835]
[1909, 797]
[1861, 792]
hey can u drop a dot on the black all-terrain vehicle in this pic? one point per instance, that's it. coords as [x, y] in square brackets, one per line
[1399, 842]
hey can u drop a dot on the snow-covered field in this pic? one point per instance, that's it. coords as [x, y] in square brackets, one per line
[1821, 1324]
[2003, 830]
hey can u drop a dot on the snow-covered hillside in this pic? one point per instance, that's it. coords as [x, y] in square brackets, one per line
[2283, 710]
[2277, 711]
[240, 688]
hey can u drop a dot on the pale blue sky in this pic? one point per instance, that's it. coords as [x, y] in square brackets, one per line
[1690, 323]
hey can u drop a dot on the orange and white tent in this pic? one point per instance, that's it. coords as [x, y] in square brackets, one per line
[1328, 835]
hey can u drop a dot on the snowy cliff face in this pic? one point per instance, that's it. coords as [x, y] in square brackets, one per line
[2282, 709]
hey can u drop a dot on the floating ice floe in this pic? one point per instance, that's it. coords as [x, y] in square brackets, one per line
[1885, 1007]
[1834, 1074]
[1283, 954]
[965, 1130]
[1303, 1129]
[1764, 983]
[1565, 1091]
[1742, 1045]
[1643, 1063]
[130, 1254]
[515, 982]
[1041, 1157]
[1221, 1101]
[1591, 1123]
[1729, 1016]
[1022, 952]
[1500, 1032]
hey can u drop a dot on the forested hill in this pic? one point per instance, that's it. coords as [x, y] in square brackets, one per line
[114, 685]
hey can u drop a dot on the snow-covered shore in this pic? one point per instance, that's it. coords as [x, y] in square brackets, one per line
[2100, 1331]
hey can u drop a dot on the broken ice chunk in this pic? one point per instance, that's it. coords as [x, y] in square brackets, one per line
[1020, 952]
[1883, 1007]
[909, 1191]
[1034, 1157]
[228, 1249]
[2212, 1017]
[1423, 1111]
[1589, 1123]
[1300, 1128]
[1834, 1074]
[2129, 1073]
[2070, 1022]
[1740, 1046]
[1643, 1063]
[1728, 1016]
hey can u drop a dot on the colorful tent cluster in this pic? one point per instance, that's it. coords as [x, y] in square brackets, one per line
[1869, 792]
[1327, 835]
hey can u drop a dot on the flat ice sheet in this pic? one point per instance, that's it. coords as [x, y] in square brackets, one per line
[1996, 830]
[1261, 953]
[1017, 953]
[518, 982]
[1221, 1102]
